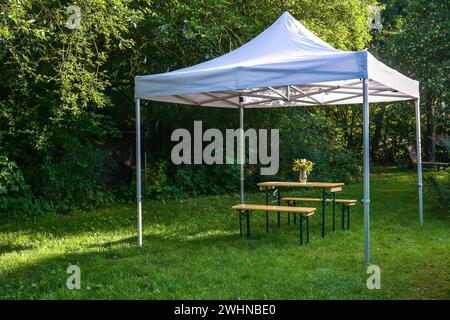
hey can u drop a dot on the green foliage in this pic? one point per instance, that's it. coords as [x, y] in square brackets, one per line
[52, 90]
[189, 32]
[204, 179]
[308, 134]
[164, 181]
[64, 93]
[439, 183]
[422, 45]
[16, 198]
[155, 181]
[416, 41]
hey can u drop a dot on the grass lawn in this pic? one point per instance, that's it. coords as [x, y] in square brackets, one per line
[192, 250]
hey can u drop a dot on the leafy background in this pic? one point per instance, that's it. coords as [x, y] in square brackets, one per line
[66, 96]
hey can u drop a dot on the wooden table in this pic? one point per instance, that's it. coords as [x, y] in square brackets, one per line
[325, 187]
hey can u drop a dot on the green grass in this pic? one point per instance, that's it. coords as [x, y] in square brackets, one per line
[192, 250]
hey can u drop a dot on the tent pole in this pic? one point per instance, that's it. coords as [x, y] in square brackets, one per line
[241, 152]
[366, 171]
[138, 170]
[419, 158]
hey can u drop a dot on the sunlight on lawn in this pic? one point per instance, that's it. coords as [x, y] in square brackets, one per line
[192, 250]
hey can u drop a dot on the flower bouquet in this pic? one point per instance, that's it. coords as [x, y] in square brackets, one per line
[304, 167]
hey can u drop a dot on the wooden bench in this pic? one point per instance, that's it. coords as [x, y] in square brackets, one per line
[345, 206]
[302, 212]
[413, 155]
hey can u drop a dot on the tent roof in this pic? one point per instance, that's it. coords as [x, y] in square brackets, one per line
[285, 65]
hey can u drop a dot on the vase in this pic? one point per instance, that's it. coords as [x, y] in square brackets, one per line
[303, 177]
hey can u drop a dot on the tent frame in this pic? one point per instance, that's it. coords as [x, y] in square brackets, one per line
[303, 94]
[295, 93]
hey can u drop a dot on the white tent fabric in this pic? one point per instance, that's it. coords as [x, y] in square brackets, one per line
[285, 54]
[284, 66]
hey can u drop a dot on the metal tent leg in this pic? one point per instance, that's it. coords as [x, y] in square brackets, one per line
[241, 151]
[419, 159]
[138, 170]
[366, 171]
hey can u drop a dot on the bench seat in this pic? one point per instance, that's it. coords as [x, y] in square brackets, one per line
[258, 207]
[345, 204]
[349, 202]
[302, 212]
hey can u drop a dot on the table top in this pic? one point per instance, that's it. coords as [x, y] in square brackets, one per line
[270, 184]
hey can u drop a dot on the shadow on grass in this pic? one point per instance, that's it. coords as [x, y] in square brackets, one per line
[7, 248]
[102, 263]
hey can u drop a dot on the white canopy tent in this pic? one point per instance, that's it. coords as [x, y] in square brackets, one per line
[285, 66]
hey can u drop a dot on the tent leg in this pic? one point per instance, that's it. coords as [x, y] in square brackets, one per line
[419, 158]
[138, 170]
[241, 152]
[366, 171]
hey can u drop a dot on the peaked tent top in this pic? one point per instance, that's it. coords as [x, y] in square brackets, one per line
[285, 65]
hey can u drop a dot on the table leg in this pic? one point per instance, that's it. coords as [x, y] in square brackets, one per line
[333, 195]
[324, 199]
[343, 216]
[267, 212]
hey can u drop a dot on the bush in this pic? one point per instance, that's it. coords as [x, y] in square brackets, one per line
[70, 170]
[310, 136]
[16, 198]
[439, 183]
[163, 180]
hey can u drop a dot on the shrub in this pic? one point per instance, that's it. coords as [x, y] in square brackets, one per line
[163, 180]
[16, 198]
[439, 183]
[310, 136]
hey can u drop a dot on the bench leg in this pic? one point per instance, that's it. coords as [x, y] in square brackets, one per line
[307, 229]
[295, 216]
[267, 212]
[343, 216]
[348, 218]
[300, 219]
[240, 222]
[334, 210]
[324, 199]
[289, 218]
[279, 202]
[248, 223]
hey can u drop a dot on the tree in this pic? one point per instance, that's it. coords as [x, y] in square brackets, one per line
[417, 41]
[52, 86]
[64, 92]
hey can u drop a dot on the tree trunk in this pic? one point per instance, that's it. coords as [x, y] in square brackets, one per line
[377, 134]
[430, 149]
